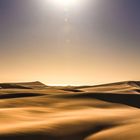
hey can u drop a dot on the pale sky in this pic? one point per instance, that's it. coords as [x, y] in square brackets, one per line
[86, 42]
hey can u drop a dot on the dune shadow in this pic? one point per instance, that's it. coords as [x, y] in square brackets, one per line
[72, 90]
[19, 95]
[137, 90]
[47, 136]
[126, 99]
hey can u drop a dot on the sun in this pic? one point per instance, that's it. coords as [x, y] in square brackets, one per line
[65, 3]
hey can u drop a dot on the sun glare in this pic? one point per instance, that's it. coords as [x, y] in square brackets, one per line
[65, 3]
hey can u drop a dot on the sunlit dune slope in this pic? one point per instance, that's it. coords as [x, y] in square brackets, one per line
[120, 87]
[34, 111]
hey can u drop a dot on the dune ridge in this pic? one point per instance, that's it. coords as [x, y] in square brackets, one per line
[38, 112]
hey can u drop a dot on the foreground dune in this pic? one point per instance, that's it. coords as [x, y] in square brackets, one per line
[33, 111]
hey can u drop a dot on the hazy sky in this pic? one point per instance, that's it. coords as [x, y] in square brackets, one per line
[89, 42]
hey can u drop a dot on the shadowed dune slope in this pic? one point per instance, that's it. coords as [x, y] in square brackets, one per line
[34, 111]
[12, 86]
[29, 85]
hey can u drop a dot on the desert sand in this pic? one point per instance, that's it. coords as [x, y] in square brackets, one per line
[34, 111]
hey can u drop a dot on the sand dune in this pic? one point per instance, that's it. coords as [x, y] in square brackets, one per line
[34, 111]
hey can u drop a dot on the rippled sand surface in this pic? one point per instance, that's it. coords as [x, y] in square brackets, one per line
[34, 111]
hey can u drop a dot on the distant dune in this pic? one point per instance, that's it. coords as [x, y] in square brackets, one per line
[34, 111]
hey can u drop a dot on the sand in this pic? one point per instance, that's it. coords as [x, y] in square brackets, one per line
[34, 111]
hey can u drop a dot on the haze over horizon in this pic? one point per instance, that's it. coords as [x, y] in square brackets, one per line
[92, 42]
